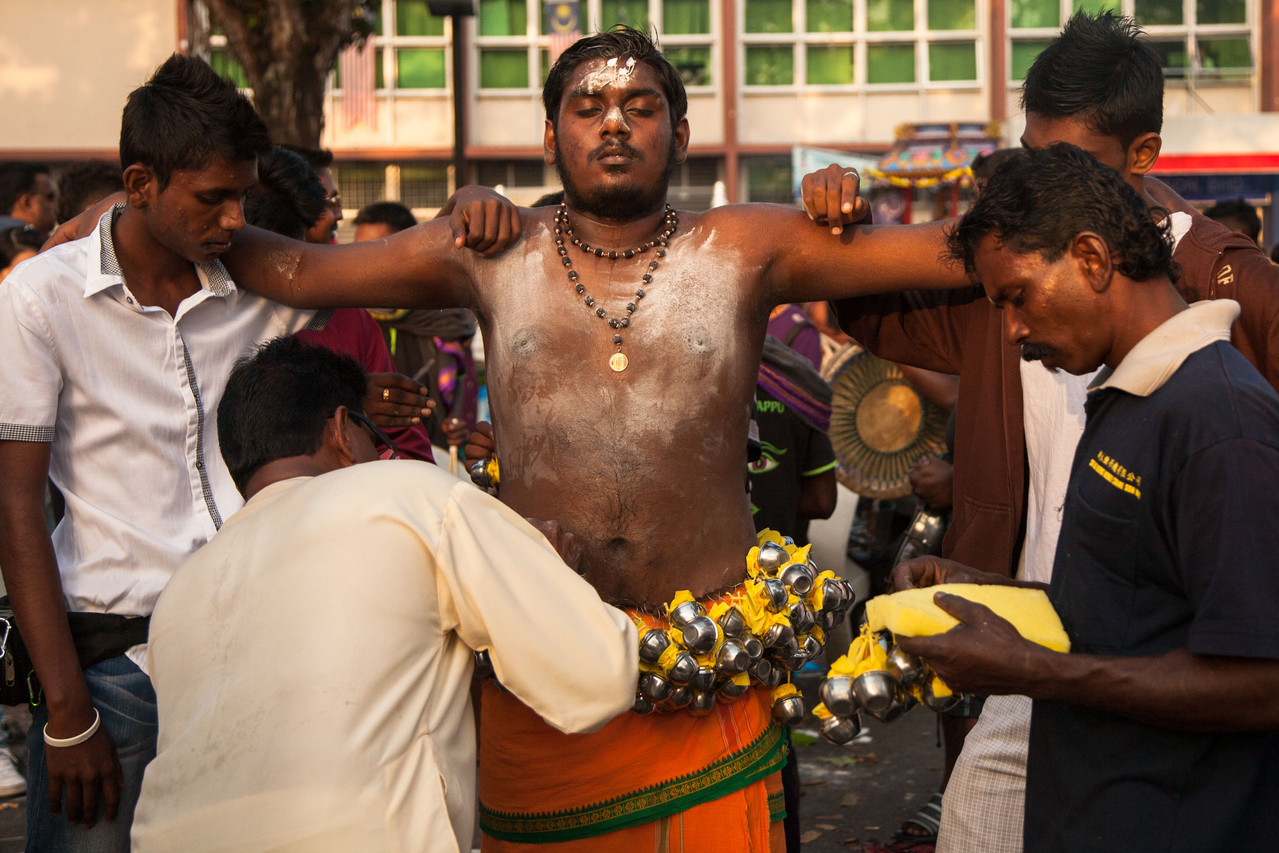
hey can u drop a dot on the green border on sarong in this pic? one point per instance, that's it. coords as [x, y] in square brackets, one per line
[753, 762]
[777, 806]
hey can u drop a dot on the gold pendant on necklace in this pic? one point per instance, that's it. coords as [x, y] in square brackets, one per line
[617, 361]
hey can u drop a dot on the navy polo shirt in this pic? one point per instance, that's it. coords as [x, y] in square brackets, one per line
[1170, 539]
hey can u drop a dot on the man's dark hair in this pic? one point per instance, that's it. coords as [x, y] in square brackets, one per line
[620, 41]
[186, 115]
[1038, 201]
[277, 402]
[85, 182]
[316, 158]
[552, 199]
[1237, 211]
[390, 213]
[1101, 72]
[288, 197]
[15, 241]
[16, 179]
[986, 164]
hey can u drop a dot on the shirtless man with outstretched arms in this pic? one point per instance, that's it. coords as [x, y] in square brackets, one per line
[630, 433]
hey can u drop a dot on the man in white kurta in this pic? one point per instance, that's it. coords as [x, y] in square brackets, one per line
[313, 663]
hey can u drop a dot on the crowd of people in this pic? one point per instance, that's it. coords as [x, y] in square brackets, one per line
[261, 616]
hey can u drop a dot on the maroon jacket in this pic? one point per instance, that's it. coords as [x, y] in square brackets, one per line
[961, 332]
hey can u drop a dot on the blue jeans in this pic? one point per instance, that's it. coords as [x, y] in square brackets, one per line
[125, 700]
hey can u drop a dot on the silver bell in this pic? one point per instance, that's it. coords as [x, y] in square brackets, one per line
[777, 636]
[841, 730]
[902, 703]
[652, 644]
[732, 658]
[830, 619]
[761, 670]
[775, 677]
[772, 556]
[680, 697]
[683, 670]
[704, 680]
[685, 613]
[643, 706]
[811, 647]
[876, 691]
[702, 704]
[778, 594]
[732, 691]
[905, 667]
[654, 686]
[836, 694]
[799, 578]
[479, 472]
[789, 710]
[732, 622]
[937, 703]
[753, 647]
[700, 635]
[833, 597]
[795, 660]
[801, 618]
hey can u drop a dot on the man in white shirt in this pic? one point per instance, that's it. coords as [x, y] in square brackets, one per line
[313, 661]
[116, 348]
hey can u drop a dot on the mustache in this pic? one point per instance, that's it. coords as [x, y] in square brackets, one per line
[610, 148]
[1037, 352]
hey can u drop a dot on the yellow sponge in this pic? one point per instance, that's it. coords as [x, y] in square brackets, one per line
[912, 613]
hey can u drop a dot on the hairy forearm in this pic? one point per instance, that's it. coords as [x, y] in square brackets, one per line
[1176, 690]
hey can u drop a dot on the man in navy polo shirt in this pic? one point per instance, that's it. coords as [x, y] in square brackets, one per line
[1160, 730]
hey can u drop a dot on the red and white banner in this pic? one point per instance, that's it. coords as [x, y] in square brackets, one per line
[358, 75]
[563, 25]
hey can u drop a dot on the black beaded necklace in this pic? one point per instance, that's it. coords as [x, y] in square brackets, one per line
[618, 361]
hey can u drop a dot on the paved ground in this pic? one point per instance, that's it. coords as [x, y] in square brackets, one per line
[850, 794]
[862, 792]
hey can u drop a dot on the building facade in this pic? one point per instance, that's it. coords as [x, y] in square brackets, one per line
[763, 77]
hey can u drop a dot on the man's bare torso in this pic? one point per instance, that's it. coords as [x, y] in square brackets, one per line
[645, 466]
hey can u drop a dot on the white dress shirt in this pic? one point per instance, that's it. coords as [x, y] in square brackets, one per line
[127, 396]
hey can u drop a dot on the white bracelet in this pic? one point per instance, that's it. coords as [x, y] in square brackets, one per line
[77, 739]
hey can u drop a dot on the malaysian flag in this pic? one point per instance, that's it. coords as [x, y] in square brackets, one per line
[563, 25]
[355, 66]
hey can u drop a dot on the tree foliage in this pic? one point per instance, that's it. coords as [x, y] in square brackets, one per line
[287, 49]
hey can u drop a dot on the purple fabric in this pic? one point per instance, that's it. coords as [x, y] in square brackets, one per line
[794, 328]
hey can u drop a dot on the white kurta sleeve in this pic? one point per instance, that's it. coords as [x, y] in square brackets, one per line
[554, 644]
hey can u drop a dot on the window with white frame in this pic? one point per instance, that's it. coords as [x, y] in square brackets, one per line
[514, 46]
[860, 43]
[1199, 41]
[411, 48]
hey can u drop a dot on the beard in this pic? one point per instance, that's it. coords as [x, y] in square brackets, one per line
[613, 202]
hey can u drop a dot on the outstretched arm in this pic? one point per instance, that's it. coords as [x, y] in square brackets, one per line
[423, 267]
[417, 268]
[808, 263]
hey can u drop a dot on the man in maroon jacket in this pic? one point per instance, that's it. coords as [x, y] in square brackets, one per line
[1100, 87]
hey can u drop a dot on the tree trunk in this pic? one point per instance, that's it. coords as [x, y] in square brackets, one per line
[287, 49]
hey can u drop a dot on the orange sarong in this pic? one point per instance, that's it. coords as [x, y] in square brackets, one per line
[667, 782]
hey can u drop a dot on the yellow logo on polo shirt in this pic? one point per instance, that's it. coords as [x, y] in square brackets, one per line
[1116, 475]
